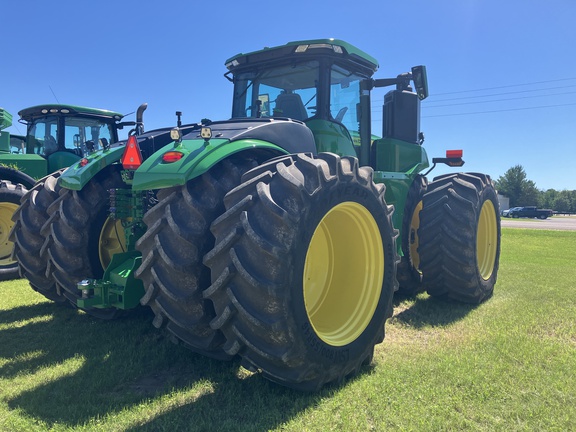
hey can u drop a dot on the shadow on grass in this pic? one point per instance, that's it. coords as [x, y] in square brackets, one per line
[126, 364]
[430, 311]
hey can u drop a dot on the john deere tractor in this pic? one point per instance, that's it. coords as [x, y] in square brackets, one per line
[91, 133]
[278, 236]
[57, 136]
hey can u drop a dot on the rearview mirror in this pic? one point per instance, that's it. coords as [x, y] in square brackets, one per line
[128, 123]
[420, 81]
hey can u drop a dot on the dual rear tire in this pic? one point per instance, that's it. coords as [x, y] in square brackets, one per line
[303, 269]
[177, 238]
[29, 240]
[459, 237]
[298, 270]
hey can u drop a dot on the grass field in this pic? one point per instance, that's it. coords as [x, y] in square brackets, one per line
[508, 364]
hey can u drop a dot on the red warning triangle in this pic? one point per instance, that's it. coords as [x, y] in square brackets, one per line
[132, 157]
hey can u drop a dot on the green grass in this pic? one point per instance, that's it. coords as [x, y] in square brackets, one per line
[508, 364]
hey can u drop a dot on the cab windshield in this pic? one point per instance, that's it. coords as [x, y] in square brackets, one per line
[286, 91]
[295, 91]
[79, 135]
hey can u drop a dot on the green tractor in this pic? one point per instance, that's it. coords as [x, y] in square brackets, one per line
[30, 231]
[57, 136]
[278, 236]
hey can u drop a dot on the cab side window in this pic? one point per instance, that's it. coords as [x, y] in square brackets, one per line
[42, 136]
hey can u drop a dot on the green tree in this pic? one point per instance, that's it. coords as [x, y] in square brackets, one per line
[517, 187]
[547, 198]
[564, 202]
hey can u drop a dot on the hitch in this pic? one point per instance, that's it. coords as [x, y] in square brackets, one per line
[118, 288]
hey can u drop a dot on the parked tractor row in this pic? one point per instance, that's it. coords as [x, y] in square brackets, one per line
[278, 236]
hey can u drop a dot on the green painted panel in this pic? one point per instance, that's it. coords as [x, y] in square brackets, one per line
[332, 137]
[77, 176]
[33, 165]
[399, 156]
[198, 157]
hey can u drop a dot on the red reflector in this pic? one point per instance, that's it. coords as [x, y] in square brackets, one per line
[172, 156]
[132, 158]
[83, 162]
[454, 153]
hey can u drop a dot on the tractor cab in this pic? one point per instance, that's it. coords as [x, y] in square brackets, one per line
[62, 134]
[316, 82]
[326, 84]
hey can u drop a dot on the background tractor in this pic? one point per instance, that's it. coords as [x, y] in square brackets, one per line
[33, 225]
[278, 236]
[56, 137]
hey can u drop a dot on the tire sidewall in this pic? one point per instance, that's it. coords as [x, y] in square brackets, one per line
[488, 194]
[317, 349]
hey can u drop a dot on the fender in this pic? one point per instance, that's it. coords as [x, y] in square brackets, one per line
[76, 176]
[273, 136]
[198, 157]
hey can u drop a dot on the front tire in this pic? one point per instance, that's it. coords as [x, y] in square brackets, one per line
[460, 237]
[304, 269]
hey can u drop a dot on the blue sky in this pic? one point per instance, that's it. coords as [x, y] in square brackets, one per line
[502, 73]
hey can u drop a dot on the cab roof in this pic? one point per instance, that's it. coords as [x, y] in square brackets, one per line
[28, 114]
[332, 47]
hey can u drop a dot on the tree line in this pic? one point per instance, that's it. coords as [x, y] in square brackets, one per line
[515, 185]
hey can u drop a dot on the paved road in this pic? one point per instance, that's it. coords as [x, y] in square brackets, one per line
[565, 223]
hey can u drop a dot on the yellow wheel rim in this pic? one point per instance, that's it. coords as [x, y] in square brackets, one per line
[487, 240]
[7, 209]
[413, 239]
[343, 273]
[112, 241]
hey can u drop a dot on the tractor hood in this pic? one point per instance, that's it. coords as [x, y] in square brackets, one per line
[195, 155]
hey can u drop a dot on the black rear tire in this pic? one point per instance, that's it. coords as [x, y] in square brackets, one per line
[28, 239]
[460, 237]
[16, 176]
[172, 248]
[10, 196]
[304, 269]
